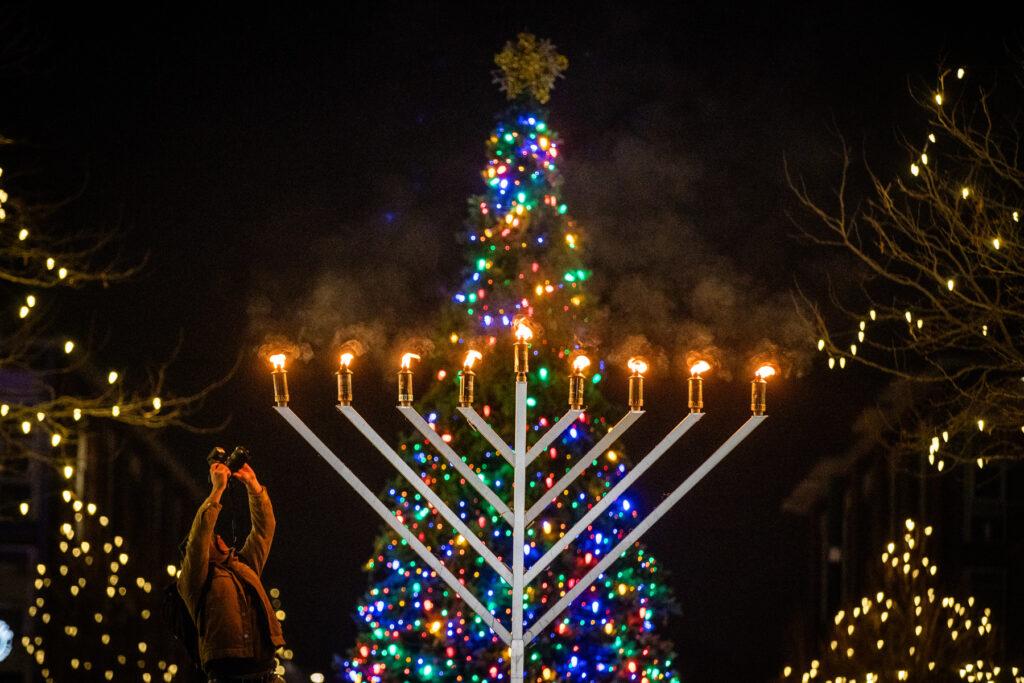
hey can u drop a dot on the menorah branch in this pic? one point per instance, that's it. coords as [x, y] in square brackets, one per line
[488, 433]
[632, 537]
[449, 453]
[416, 482]
[552, 434]
[391, 520]
[613, 495]
[595, 451]
[518, 533]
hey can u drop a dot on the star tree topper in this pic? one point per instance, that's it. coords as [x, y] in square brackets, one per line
[529, 66]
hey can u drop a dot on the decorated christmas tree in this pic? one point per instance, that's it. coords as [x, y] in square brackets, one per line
[525, 266]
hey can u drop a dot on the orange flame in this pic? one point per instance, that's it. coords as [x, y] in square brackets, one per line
[523, 332]
[699, 367]
[581, 363]
[765, 371]
[471, 357]
[637, 365]
[277, 360]
[346, 359]
[407, 360]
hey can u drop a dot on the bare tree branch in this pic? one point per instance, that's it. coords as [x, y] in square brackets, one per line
[49, 384]
[941, 298]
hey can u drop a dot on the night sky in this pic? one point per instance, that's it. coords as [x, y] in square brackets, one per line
[292, 170]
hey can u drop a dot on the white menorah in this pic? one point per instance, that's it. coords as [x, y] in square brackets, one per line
[520, 455]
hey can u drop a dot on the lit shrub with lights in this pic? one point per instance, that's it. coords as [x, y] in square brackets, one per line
[909, 630]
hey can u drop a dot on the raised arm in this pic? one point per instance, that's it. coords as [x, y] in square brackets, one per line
[197, 552]
[261, 514]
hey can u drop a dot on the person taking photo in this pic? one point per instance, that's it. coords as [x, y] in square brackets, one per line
[221, 587]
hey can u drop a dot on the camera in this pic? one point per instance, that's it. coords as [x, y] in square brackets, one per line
[234, 460]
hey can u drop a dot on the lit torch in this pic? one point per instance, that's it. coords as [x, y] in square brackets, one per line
[522, 351]
[576, 382]
[280, 380]
[759, 389]
[467, 379]
[696, 386]
[405, 380]
[345, 380]
[636, 383]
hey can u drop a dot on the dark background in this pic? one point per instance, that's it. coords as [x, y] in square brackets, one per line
[272, 160]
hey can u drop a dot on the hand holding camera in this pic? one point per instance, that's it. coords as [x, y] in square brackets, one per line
[234, 461]
[248, 477]
[236, 464]
[219, 476]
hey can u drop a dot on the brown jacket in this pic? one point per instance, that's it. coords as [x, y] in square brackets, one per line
[235, 612]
